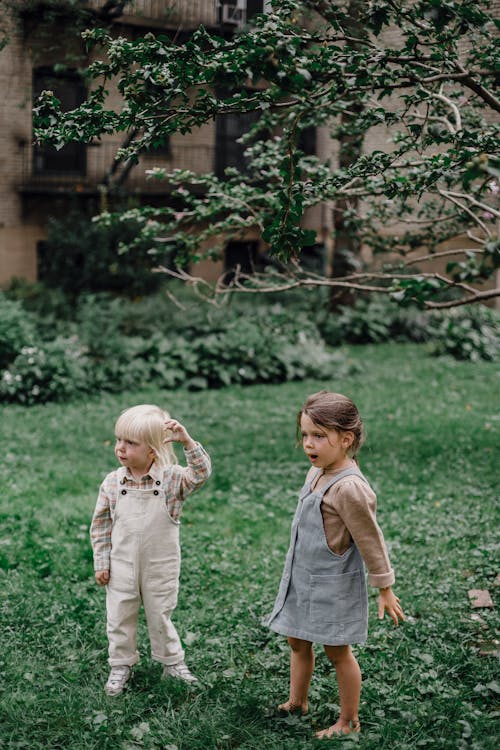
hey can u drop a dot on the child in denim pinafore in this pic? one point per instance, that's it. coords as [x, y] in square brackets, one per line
[135, 538]
[322, 596]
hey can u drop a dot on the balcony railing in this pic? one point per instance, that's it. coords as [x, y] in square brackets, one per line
[189, 13]
[199, 158]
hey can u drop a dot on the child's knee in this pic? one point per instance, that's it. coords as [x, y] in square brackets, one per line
[338, 654]
[299, 646]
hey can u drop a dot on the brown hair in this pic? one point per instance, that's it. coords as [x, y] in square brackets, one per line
[333, 411]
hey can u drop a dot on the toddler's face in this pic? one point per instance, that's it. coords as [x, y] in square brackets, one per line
[135, 455]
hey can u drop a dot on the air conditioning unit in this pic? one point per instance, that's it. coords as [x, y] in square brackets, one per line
[231, 15]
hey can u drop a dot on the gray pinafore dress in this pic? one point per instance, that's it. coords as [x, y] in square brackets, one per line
[322, 596]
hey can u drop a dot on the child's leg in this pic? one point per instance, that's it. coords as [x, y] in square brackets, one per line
[166, 646]
[301, 669]
[349, 682]
[122, 619]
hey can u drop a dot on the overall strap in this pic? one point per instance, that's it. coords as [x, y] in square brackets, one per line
[120, 485]
[352, 471]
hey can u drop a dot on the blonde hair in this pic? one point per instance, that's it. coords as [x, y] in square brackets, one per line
[333, 411]
[145, 423]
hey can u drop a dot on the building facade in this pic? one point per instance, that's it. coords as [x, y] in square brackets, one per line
[40, 182]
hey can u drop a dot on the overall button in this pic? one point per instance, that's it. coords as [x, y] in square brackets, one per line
[156, 492]
[124, 492]
[158, 482]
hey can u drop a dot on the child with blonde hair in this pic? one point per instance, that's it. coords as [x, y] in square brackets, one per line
[135, 537]
[322, 596]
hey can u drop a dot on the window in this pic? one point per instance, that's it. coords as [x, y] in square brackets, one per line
[307, 141]
[229, 128]
[235, 13]
[70, 90]
[254, 7]
[243, 254]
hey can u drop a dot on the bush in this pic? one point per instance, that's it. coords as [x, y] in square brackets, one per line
[471, 334]
[264, 349]
[84, 256]
[17, 330]
[50, 371]
[374, 320]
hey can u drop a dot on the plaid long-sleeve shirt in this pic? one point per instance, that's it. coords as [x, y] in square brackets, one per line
[178, 482]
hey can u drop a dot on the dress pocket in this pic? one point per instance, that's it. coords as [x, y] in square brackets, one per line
[336, 598]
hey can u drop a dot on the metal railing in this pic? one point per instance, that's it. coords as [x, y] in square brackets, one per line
[199, 158]
[190, 13]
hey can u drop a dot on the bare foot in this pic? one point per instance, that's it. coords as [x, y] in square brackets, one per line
[339, 728]
[293, 708]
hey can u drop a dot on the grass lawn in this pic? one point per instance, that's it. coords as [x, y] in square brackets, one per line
[430, 457]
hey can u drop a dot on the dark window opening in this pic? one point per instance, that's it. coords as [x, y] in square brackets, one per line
[254, 7]
[160, 149]
[313, 258]
[71, 159]
[307, 141]
[41, 258]
[241, 255]
[229, 128]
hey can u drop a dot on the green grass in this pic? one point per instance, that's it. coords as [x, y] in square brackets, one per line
[429, 455]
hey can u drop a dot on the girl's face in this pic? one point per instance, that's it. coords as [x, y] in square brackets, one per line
[326, 449]
[135, 455]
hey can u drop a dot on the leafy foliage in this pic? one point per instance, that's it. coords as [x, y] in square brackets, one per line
[49, 371]
[107, 343]
[471, 337]
[472, 334]
[428, 88]
[17, 329]
[106, 352]
[375, 320]
[84, 256]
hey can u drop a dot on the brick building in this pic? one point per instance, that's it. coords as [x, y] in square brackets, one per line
[36, 183]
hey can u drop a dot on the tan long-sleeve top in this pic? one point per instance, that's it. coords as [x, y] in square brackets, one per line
[349, 514]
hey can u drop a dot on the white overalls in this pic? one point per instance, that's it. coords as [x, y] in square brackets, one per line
[144, 566]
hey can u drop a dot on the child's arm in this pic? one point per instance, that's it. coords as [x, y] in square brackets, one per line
[100, 535]
[389, 602]
[189, 478]
[356, 505]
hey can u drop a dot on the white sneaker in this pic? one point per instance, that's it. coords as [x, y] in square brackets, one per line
[118, 678]
[180, 671]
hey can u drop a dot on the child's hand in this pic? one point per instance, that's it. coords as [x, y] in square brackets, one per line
[178, 433]
[389, 602]
[102, 577]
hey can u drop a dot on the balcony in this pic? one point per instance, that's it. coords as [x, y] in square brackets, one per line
[84, 175]
[166, 13]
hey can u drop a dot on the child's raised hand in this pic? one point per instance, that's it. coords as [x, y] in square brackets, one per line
[102, 577]
[389, 602]
[178, 433]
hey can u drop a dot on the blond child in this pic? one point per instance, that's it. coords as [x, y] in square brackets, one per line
[135, 538]
[322, 596]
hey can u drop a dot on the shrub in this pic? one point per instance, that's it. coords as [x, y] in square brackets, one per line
[472, 334]
[49, 371]
[17, 330]
[84, 256]
[373, 320]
